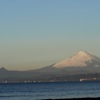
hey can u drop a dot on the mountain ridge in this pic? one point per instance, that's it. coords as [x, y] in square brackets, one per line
[82, 65]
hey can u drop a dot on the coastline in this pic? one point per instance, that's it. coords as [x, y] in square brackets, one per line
[85, 98]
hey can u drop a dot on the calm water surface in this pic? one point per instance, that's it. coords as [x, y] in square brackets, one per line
[55, 90]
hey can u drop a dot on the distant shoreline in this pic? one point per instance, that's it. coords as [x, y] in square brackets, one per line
[48, 82]
[85, 98]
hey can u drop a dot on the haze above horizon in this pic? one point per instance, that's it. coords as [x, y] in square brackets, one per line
[37, 33]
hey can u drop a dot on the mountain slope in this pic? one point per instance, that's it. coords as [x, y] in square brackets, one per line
[80, 59]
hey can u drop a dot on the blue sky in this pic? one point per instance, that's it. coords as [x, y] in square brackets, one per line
[37, 33]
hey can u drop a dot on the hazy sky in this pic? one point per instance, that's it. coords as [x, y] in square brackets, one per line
[37, 33]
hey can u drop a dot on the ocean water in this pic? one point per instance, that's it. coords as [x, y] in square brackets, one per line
[54, 90]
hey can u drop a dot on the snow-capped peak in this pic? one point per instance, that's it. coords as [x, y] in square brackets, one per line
[83, 53]
[80, 59]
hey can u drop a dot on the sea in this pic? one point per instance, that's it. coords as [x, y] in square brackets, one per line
[49, 90]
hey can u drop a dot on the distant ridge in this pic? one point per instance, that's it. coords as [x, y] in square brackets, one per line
[82, 66]
[3, 69]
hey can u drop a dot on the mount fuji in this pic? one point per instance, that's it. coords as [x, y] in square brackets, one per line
[81, 66]
[80, 59]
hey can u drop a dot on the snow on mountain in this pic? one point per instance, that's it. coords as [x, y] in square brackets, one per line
[80, 59]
